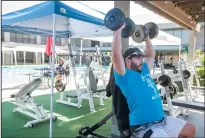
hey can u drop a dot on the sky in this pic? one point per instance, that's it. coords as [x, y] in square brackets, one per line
[139, 14]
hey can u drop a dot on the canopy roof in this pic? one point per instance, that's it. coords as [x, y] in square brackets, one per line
[38, 19]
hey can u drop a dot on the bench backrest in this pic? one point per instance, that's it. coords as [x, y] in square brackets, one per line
[28, 88]
[92, 80]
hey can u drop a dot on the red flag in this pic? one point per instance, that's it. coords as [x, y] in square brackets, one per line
[49, 46]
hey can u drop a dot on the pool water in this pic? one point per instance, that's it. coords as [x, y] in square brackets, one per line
[15, 75]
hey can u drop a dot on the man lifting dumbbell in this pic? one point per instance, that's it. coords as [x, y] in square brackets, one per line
[146, 115]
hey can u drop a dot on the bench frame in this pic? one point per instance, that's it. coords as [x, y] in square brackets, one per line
[27, 105]
[89, 95]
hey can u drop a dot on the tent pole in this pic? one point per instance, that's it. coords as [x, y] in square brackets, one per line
[24, 57]
[52, 81]
[3, 58]
[81, 47]
[15, 57]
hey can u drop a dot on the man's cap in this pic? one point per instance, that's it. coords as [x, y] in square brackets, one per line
[131, 51]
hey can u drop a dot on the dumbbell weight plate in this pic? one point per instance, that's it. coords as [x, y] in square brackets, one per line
[129, 28]
[60, 87]
[175, 71]
[140, 33]
[164, 80]
[114, 19]
[153, 29]
[186, 74]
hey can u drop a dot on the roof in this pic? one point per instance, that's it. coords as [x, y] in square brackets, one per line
[194, 9]
[186, 13]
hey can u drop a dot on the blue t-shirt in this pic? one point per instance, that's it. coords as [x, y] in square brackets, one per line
[142, 95]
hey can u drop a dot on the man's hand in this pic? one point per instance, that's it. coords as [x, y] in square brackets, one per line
[122, 27]
[117, 59]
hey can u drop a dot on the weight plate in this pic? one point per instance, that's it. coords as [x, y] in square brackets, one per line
[129, 28]
[60, 87]
[114, 19]
[175, 71]
[140, 33]
[153, 29]
[186, 74]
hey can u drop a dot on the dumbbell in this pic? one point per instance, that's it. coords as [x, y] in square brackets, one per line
[143, 31]
[175, 71]
[186, 74]
[164, 80]
[115, 18]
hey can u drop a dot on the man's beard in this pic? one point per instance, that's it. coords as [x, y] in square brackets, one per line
[136, 67]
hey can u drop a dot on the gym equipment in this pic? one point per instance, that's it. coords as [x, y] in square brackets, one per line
[60, 86]
[190, 105]
[143, 31]
[183, 106]
[164, 80]
[186, 74]
[91, 84]
[88, 132]
[27, 105]
[115, 18]
[197, 89]
[152, 29]
[140, 33]
[77, 94]
[175, 71]
[129, 28]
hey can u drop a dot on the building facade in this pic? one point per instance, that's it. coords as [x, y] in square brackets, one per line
[14, 40]
[183, 34]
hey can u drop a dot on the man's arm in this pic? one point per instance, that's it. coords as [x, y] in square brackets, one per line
[117, 58]
[150, 53]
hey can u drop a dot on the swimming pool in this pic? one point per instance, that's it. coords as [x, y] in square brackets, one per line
[15, 75]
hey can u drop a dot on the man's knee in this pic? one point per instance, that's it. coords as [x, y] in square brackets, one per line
[189, 130]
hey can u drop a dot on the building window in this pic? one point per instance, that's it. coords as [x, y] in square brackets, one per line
[26, 38]
[19, 38]
[93, 43]
[32, 39]
[12, 37]
[58, 41]
[43, 40]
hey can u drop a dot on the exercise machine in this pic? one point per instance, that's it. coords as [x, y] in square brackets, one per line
[74, 95]
[27, 105]
[183, 105]
[91, 87]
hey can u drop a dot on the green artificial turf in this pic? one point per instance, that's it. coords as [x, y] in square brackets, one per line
[70, 119]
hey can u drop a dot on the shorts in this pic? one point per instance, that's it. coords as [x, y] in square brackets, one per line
[169, 127]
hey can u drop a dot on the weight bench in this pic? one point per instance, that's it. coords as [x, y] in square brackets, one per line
[74, 94]
[85, 94]
[27, 105]
[190, 105]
